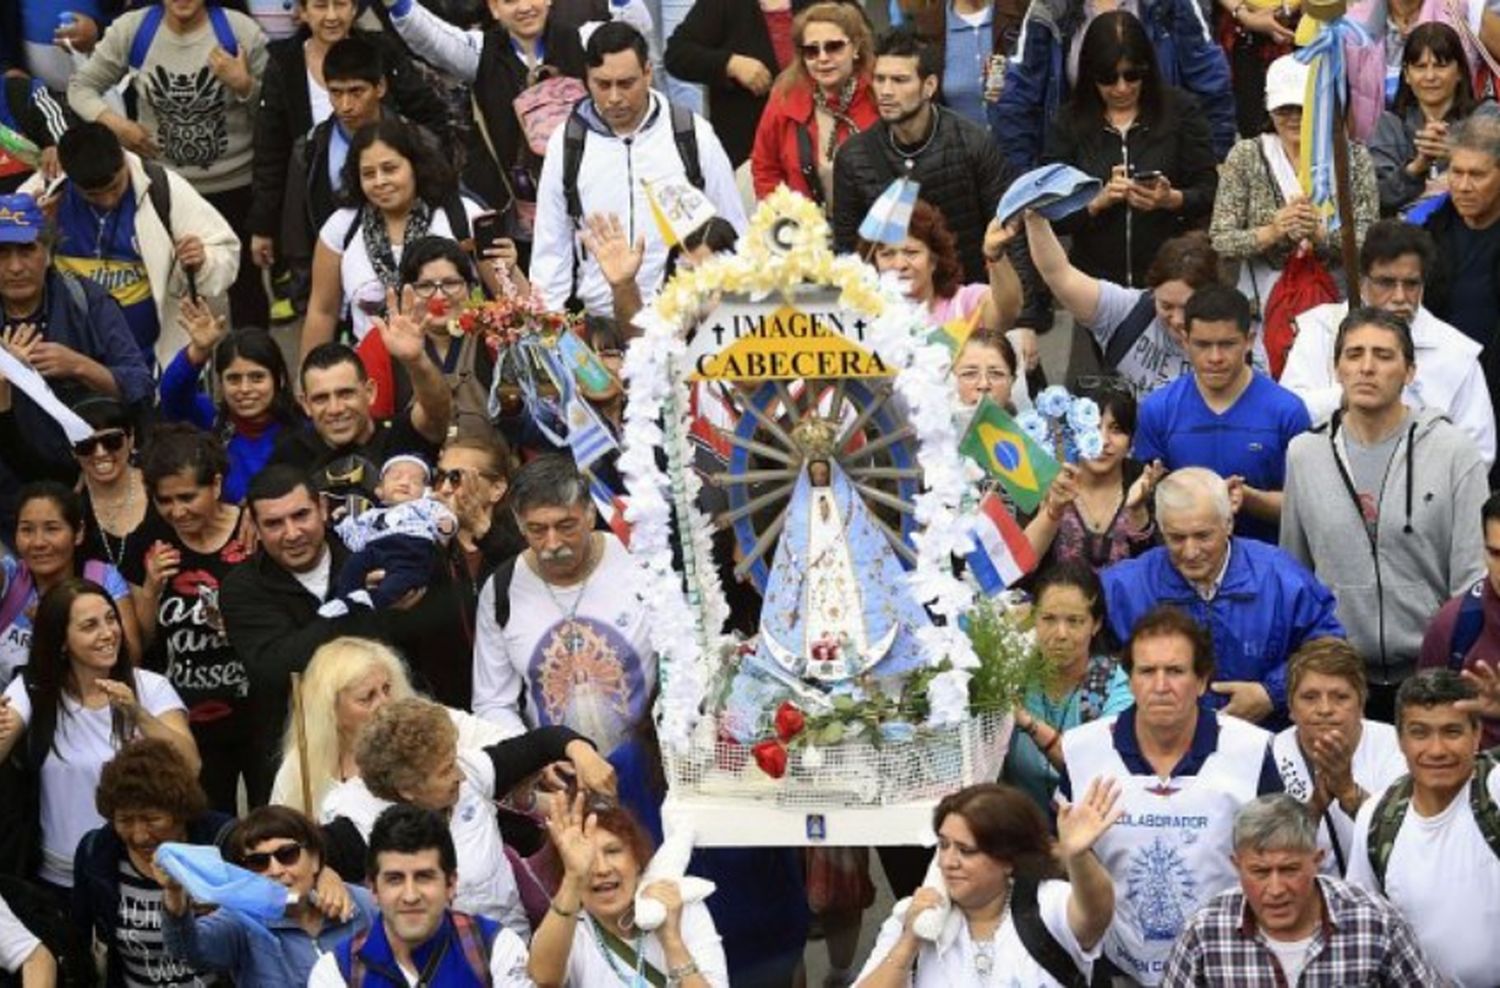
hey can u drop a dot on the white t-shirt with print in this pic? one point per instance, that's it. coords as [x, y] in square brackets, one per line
[945, 964]
[355, 270]
[1377, 762]
[1445, 880]
[592, 964]
[507, 966]
[15, 638]
[70, 774]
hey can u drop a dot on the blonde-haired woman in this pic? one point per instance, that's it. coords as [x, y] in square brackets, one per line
[819, 101]
[348, 680]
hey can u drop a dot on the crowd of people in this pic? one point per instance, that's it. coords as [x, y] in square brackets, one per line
[247, 468]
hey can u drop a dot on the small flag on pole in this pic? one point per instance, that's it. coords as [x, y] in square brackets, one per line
[611, 507]
[890, 214]
[678, 208]
[1001, 554]
[998, 444]
[954, 333]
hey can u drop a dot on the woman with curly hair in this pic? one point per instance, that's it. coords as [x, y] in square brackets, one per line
[148, 795]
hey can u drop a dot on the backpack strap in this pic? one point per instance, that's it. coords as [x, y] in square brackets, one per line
[16, 593]
[458, 222]
[502, 579]
[477, 939]
[145, 34]
[685, 134]
[1486, 811]
[159, 190]
[1385, 824]
[1468, 626]
[807, 164]
[223, 30]
[1039, 942]
[1130, 330]
[574, 134]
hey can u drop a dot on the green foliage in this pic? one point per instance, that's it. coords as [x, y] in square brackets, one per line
[1010, 663]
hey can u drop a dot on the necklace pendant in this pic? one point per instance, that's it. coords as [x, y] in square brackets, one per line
[984, 963]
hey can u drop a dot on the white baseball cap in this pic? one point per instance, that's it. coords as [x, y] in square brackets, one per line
[1286, 83]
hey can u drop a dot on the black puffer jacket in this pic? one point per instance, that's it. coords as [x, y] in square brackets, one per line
[961, 173]
[1119, 244]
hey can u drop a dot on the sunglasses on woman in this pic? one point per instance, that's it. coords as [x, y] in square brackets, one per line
[1131, 76]
[112, 441]
[812, 49]
[455, 478]
[286, 855]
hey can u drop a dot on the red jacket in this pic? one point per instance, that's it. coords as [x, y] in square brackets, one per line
[775, 158]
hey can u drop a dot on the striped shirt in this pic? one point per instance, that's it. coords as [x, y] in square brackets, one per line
[1363, 940]
[138, 939]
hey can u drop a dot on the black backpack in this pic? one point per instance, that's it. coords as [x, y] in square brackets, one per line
[1039, 942]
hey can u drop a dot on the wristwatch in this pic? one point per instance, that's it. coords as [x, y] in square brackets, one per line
[678, 975]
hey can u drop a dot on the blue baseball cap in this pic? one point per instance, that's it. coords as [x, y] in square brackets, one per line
[1054, 191]
[21, 219]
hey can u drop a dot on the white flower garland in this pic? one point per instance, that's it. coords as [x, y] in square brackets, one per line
[785, 248]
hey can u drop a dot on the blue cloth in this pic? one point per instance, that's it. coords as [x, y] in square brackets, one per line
[453, 969]
[41, 18]
[1205, 742]
[1248, 440]
[207, 877]
[181, 401]
[338, 151]
[103, 249]
[407, 560]
[1266, 607]
[1056, 191]
[278, 954]
[1036, 81]
[1026, 767]
[966, 57]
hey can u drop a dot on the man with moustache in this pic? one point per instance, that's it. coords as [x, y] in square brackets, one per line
[561, 622]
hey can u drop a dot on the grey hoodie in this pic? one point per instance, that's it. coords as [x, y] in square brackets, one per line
[1426, 546]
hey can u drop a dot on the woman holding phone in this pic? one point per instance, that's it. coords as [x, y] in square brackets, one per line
[1146, 141]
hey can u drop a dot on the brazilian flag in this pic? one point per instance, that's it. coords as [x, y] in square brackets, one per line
[995, 442]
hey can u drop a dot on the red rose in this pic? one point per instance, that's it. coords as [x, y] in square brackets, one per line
[437, 307]
[771, 757]
[789, 721]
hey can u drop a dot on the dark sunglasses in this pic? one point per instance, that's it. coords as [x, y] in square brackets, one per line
[812, 49]
[286, 856]
[1131, 76]
[455, 477]
[112, 441]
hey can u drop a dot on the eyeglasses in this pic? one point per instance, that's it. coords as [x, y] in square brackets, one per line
[812, 49]
[448, 286]
[1388, 284]
[113, 441]
[1131, 76]
[974, 376]
[286, 855]
[455, 477]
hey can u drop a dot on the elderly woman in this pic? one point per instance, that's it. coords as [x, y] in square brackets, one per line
[1083, 683]
[409, 753]
[1098, 511]
[345, 683]
[588, 939]
[76, 703]
[995, 858]
[1332, 758]
[148, 795]
[1262, 214]
[1145, 140]
[286, 847]
[1409, 145]
[820, 100]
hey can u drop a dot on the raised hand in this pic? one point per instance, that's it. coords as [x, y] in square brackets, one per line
[575, 835]
[20, 341]
[1485, 679]
[1082, 823]
[619, 259]
[1140, 491]
[232, 70]
[163, 562]
[593, 772]
[1062, 492]
[204, 329]
[401, 331]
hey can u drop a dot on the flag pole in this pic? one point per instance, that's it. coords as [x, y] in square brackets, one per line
[1325, 12]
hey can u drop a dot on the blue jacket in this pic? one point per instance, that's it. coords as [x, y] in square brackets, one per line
[279, 955]
[181, 401]
[83, 317]
[96, 880]
[1036, 80]
[1266, 607]
[453, 971]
